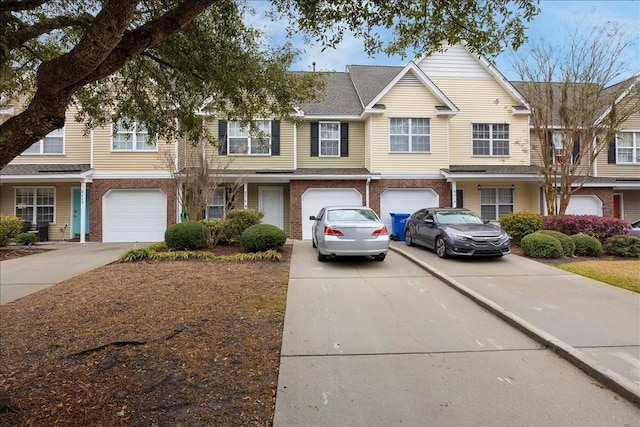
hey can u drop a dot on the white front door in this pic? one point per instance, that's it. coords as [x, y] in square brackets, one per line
[271, 203]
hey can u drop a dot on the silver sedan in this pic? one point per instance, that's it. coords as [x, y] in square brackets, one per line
[349, 231]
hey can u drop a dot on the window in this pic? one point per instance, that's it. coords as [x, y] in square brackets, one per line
[490, 139]
[53, 143]
[495, 202]
[628, 147]
[243, 141]
[35, 204]
[408, 135]
[131, 136]
[330, 139]
[217, 204]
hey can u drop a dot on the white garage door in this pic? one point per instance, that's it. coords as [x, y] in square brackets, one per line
[584, 205]
[405, 200]
[315, 199]
[134, 216]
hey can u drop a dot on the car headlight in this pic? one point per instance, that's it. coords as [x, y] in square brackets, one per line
[457, 236]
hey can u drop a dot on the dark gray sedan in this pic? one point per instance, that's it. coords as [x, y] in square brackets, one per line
[349, 231]
[455, 232]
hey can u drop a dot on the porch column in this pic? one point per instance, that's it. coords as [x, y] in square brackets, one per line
[245, 201]
[83, 210]
[454, 190]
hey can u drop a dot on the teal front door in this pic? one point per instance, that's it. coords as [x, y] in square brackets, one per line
[76, 212]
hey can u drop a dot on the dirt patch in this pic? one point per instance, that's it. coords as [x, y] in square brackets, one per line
[19, 251]
[147, 343]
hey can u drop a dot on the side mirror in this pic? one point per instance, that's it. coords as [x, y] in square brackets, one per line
[313, 218]
[428, 221]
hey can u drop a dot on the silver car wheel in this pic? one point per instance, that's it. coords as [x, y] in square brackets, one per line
[408, 240]
[441, 249]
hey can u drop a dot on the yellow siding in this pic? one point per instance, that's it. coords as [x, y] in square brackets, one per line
[356, 157]
[62, 206]
[77, 146]
[107, 160]
[409, 102]
[622, 171]
[253, 194]
[526, 195]
[483, 101]
[630, 205]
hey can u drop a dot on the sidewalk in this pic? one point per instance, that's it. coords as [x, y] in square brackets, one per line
[591, 324]
[22, 276]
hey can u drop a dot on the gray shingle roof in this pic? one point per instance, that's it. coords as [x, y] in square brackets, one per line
[44, 169]
[339, 97]
[369, 80]
[493, 169]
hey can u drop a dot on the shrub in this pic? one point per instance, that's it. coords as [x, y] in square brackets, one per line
[599, 227]
[519, 224]
[587, 245]
[540, 245]
[568, 247]
[238, 220]
[186, 236]
[26, 239]
[217, 231]
[624, 246]
[263, 237]
[10, 227]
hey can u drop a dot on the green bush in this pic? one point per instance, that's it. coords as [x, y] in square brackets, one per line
[10, 227]
[587, 245]
[263, 237]
[217, 231]
[624, 246]
[26, 239]
[238, 220]
[568, 247]
[540, 245]
[186, 236]
[519, 224]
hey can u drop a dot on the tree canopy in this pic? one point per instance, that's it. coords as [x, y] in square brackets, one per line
[162, 62]
[578, 104]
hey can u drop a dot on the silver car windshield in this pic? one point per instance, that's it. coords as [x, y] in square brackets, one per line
[458, 218]
[351, 215]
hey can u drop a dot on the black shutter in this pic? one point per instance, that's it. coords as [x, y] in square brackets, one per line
[314, 140]
[344, 139]
[551, 148]
[222, 137]
[275, 137]
[611, 155]
[576, 151]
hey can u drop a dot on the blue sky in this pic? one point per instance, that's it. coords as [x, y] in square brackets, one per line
[558, 18]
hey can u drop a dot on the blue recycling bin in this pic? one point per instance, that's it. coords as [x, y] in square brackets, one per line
[398, 221]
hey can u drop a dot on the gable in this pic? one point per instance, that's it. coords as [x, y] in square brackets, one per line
[455, 62]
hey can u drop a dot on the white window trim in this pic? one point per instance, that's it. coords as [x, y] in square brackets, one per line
[635, 148]
[134, 144]
[223, 205]
[249, 141]
[35, 199]
[558, 153]
[410, 135]
[41, 144]
[497, 204]
[491, 140]
[320, 140]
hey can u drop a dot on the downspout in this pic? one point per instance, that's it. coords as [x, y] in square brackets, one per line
[366, 191]
[91, 140]
[595, 161]
[295, 146]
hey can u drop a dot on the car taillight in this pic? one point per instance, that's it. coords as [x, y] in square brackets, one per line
[381, 232]
[328, 231]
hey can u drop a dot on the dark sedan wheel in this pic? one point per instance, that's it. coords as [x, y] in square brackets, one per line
[408, 240]
[322, 258]
[441, 248]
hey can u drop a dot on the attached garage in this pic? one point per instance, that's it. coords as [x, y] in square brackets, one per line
[584, 205]
[315, 199]
[405, 200]
[134, 215]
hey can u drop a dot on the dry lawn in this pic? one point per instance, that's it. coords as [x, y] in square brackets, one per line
[623, 274]
[173, 343]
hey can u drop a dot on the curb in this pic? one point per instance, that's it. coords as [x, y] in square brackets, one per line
[616, 382]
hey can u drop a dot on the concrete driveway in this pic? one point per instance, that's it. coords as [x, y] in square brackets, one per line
[22, 276]
[387, 343]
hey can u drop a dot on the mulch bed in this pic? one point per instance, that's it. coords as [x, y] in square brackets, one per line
[147, 344]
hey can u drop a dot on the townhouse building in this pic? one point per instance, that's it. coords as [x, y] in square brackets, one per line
[443, 130]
